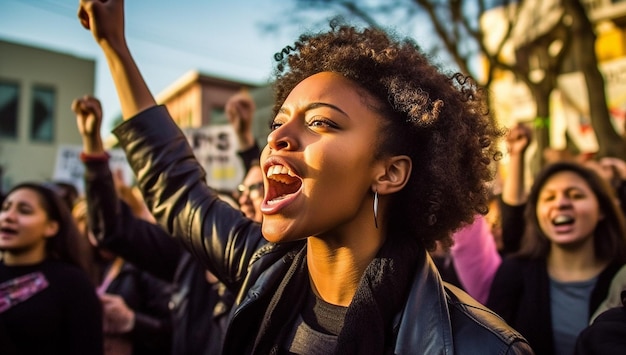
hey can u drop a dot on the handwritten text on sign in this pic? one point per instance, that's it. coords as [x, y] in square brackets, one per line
[215, 147]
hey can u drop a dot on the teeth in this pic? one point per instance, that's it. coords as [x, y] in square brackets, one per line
[562, 219]
[279, 170]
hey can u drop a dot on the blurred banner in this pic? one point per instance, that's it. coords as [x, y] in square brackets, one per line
[215, 147]
[68, 167]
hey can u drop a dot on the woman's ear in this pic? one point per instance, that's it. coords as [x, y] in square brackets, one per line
[52, 228]
[394, 175]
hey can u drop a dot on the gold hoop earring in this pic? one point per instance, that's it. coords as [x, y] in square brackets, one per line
[376, 209]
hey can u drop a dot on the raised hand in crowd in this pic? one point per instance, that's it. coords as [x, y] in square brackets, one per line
[88, 112]
[240, 109]
[517, 141]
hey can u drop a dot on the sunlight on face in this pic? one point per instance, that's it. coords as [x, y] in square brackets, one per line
[567, 209]
[320, 159]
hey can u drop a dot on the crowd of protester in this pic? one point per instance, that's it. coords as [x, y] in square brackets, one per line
[539, 264]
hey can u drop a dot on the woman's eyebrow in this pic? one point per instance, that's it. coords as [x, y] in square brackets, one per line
[315, 105]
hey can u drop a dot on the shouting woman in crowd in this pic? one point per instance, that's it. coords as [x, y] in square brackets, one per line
[574, 244]
[371, 150]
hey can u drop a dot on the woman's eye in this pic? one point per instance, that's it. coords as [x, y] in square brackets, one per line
[275, 125]
[321, 123]
[25, 210]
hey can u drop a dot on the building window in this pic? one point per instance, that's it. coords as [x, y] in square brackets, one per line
[218, 116]
[42, 114]
[9, 94]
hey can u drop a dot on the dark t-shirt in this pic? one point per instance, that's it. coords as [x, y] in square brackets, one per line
[317, 327]
[53, 309]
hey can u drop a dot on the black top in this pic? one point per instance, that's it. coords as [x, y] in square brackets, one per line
[607, 334]
[520, 293]
[61, 313]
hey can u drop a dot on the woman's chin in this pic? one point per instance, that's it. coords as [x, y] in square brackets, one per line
[275, 232]
[272, 235]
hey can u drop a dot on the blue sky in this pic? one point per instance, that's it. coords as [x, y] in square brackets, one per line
[167, 38]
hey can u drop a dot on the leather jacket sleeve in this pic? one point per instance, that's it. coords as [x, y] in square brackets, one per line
[116, 228]
[174, 187]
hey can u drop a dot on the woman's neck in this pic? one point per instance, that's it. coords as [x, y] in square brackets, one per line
[24, 257]
[570, 265]
[336, 270]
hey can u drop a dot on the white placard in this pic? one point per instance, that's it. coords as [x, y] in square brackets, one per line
[68, 167]
[215, 147]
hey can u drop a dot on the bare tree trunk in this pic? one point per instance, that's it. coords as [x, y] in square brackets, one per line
[542, 125]
[610, 143]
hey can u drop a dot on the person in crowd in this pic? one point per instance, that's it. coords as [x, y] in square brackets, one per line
[370, 151]
[251, 193]
[512, 202]
[475, 258]
[574, 243]
[494, 215]
[615, 294]
[479, 247]
[118, 222]
[135, 303]
[48, 305]
[66, 190]
[240, 109]
[607, 334]
[472, 261]
[613, 170]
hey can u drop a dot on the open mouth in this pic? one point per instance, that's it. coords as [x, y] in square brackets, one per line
[282, 182]
[563, 220]
[8, 231]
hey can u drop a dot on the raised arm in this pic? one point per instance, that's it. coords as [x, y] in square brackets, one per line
[105, 20]
[513, 188]
[514, 195]
[240, 110]
[169, 176]
[110, 221]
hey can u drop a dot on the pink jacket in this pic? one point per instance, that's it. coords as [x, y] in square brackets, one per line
[476, 258]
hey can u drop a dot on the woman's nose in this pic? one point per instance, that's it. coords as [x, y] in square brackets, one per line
[7, 214]
[284, 137]
[244, 198]
[563, 201]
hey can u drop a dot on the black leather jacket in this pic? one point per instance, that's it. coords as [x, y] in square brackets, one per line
[198, 309]
[437, 318]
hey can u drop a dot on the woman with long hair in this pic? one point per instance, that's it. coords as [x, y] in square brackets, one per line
[574, 243]
[48, 305]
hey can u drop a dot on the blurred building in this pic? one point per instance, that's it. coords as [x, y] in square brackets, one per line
[197, 99]
[37, 87]
[196, 102]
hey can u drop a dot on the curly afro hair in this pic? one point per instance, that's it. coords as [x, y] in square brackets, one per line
[440, 121]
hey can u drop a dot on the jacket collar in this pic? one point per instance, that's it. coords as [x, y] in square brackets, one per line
[425, 322]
